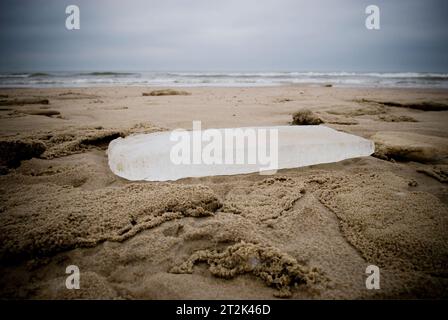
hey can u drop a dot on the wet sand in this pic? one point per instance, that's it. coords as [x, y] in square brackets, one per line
[305, 233]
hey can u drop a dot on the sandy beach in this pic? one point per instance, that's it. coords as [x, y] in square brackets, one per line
[304, 233]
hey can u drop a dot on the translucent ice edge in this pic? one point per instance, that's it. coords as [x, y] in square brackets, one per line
[150, 156]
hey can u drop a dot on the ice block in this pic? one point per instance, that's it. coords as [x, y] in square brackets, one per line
[172, 155]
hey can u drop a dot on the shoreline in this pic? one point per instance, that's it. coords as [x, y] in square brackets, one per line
[276, 85]
[225, 79]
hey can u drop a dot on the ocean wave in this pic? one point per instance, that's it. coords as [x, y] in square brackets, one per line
[109, 78]
[39, 74]
[108, 73]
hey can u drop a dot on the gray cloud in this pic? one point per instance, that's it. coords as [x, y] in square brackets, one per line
[322, 35]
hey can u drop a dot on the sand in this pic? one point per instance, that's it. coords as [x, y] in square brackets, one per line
[305, 233]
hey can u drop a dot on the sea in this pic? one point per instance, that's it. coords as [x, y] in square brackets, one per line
[223, 79]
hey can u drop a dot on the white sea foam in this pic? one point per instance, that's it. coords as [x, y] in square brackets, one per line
[242, 79]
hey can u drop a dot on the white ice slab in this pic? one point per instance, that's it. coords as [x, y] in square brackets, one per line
[147, 156]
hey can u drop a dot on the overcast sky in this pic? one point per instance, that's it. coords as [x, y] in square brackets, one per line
[224, 35]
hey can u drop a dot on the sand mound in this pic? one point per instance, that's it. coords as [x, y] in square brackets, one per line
[21, 102]
[70, 95]
[275, 268]
[73, 141]
[394, 118]
[405, 230]
[38, 112]
[12, 151]
[282, 100]
[64, 142]
[166, 92]
[305, 117]
[346, 122]
[424, 105]
[406, 146]
[334, 118]
[372, 110]
[65, 217]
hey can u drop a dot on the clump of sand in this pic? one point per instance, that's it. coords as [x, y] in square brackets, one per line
[423, 105]
[21, 102]
[70, 95]
[167, 92]
[40, 112]
[395, 118]
[366, 111]
[282, 100]
[275, 268]
[68, 142]
[62, 142]
[305, 117]
[53, 144]
[343, 122]
[13, 151]
[407, 146]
